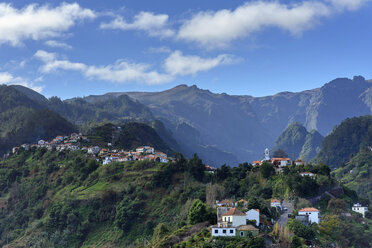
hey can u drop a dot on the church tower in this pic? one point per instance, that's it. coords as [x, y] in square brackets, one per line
[267, 155]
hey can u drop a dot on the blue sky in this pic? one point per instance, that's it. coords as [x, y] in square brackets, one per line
[238, 47]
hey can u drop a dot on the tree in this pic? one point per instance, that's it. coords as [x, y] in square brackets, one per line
[336, 205]
[127, 212]
[253, 203]
[159, 232]
[280, 154]
[267, 170]
[199, 213]
[300, 229]
[196, 168]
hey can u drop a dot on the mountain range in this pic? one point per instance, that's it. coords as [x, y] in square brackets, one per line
[220, 128]
[226, 128]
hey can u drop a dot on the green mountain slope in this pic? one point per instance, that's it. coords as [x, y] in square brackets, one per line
[24, 120]
[130, 136]
[297, 142]
[357, 173]
[118, 109]
[312, 145]
[345, 140]
[66, 199]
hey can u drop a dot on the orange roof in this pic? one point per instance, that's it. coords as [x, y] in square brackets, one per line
[308, 210]
[234, 211]
[225, 201]
[242, 200]
[281, 159]
[275, 200]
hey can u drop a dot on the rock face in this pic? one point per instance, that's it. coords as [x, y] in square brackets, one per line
[297, 142]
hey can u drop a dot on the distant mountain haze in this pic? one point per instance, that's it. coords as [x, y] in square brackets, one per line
[298, 143]
[244, 125]
[224, 128]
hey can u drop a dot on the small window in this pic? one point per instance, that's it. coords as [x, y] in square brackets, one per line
[216, 231]
[223, 231]
[231, 231]
[242, 234]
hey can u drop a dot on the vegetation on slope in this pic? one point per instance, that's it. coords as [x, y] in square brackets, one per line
[346, 140]
[297, 142]
[130, 136]
[66, 199]
[357, 173]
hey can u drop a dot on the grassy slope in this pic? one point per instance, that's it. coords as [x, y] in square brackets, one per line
[65, 184]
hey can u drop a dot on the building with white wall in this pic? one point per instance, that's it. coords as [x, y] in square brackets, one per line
[253, 214]
[312, 213]
[360, 209]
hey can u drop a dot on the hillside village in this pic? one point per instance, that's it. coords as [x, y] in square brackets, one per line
[235, 219]
[106, 155]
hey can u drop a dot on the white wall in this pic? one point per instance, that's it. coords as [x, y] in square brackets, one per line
[219, 231]
[253, 215]
[313, 216]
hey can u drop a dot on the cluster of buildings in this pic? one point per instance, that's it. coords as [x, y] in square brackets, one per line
[233, 222]
[74, 141]
[141, 153]
[280, 163]
[60, 143]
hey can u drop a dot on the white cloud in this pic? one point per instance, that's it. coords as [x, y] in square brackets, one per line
[53, 43]
[179, 64]
[154, 25]
[38, 22]
[9, 79]
[348, 4]
[120, 72]
[123, 71]
[219, 28]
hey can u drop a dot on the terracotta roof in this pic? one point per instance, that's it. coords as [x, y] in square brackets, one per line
[275, 200]
[281, 159]
[247, 228]
[242, 200]
[225, 201]
[256, 162]
[308, 210]
[234, 211]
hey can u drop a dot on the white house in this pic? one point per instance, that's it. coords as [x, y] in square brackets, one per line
[253, 214]
[280, 162]
[26, 146]
[312, 213]
[145, 149]
[275, 203]
[234, 217]
[359, 209]
[307, 174]
[41, 142]
[94, 150]
[219, 230]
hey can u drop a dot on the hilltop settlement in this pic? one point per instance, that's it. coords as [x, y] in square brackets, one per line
[106, 155]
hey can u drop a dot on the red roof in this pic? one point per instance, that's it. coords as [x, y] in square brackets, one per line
[308, 210]
[275, 200]
[234, 211]
[280, 159]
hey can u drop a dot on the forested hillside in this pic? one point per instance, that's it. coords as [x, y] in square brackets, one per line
[66, 199]
[23, 120]
[298, 143]
[346, 140]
